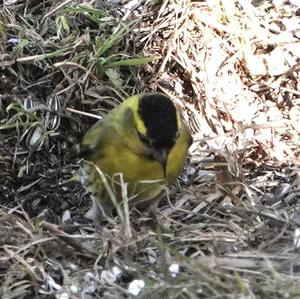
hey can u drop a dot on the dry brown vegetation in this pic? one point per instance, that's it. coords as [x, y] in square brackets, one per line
[230, 227]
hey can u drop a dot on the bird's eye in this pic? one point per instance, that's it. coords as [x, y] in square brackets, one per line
[144, 139]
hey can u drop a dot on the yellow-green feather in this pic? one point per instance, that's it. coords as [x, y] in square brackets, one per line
[115, 148]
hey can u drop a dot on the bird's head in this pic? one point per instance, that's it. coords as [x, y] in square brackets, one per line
[157, 124]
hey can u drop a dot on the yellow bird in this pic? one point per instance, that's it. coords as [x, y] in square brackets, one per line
[142, 142]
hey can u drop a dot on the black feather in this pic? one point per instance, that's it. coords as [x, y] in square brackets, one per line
[160, 119]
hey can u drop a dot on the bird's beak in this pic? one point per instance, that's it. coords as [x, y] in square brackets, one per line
[162, 157]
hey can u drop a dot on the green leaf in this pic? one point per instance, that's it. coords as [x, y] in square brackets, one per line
[22, 44]
[132, 62]
[93, 14]
[114, 77]
[113, 39]
[62, 25]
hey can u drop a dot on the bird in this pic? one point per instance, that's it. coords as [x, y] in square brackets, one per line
[142, 143]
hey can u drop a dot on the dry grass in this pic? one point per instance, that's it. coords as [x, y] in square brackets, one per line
[230, 227]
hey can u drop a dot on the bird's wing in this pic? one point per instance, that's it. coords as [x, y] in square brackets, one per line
[94, 139]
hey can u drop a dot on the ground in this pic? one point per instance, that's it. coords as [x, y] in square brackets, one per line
[229, 228]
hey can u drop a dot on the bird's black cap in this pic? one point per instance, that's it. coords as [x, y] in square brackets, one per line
[160, 119]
